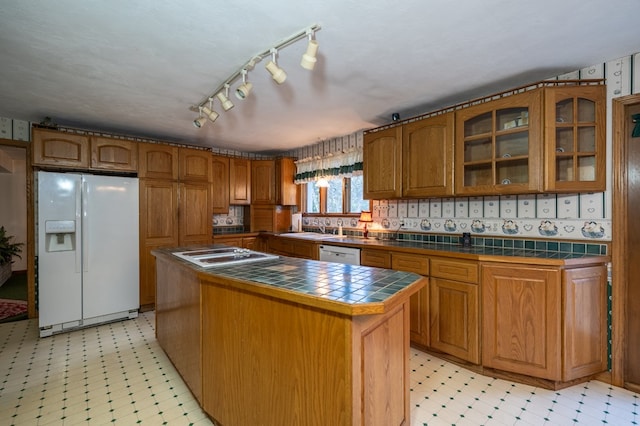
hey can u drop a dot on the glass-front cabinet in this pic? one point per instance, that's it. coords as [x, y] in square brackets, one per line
[499, 146]
[575, 139]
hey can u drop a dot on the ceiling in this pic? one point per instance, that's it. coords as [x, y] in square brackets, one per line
[137, 68]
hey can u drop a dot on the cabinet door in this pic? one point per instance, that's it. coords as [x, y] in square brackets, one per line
[220, 184]
[382, 164]
[113, 154]
[195, 165]
[575, 139]
[419, 302]
[239, 181]
[158, 228]
[194, 216]
[286, 191]
[498, 146]
[427, 157]
[263, 185]
[454, 318]
[585, 322]
[53, 148]
[521, 308]
[157, 161]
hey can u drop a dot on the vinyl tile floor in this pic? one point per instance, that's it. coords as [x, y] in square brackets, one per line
[117, 374]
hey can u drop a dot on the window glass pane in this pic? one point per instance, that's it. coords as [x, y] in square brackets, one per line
[313, 198]
[334, 196]
[357, 204]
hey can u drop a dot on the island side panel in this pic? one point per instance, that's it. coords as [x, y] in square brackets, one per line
[381, 368]
[268, 361]
[178, 320]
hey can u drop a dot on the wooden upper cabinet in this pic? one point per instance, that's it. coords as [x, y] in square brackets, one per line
[194, 165]
[382, 164]
[427, 157]
[239, 181]
[575, 139]
[263, 182]
[499, 146]
[113, 154]
[54, 148]
[286, 189]
[157, 161]
[220, 184]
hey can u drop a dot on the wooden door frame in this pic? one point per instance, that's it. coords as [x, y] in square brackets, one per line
[619, 234]
[30, 252]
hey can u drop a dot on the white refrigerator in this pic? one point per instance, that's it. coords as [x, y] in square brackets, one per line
[88, 258]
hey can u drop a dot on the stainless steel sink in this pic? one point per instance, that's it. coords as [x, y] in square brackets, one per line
[226, 256]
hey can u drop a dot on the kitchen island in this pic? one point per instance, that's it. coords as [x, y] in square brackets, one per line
[289, 341]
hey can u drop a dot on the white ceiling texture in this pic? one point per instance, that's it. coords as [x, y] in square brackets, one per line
[137, 67]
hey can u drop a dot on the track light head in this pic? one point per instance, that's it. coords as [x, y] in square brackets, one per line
[245, 88]
[200, 121]
[211, 114]
[277, 73]
[309, 59]
[224, 98]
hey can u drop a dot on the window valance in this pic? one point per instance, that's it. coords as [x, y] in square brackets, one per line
[333, 166]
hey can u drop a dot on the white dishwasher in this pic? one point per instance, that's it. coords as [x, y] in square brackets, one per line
[337, 254]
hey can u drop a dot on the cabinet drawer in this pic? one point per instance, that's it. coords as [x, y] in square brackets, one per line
[230, 241]
[410, 263]
[376, 258]
[293, 248]
[459, 270]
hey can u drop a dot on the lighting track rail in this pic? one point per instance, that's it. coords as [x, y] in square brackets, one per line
[205, 107]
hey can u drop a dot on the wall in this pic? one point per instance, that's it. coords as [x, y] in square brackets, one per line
[13, 214]
[551, 216]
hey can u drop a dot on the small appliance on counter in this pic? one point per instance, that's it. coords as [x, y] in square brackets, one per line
[296, 222]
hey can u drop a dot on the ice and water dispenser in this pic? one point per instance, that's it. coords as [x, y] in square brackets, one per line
[60, 235]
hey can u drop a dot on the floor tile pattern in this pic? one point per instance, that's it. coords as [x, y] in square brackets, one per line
[116, 374]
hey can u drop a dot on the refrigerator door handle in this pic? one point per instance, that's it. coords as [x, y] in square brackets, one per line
[84, 217]
[79, 231]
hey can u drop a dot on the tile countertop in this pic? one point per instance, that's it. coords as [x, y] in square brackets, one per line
[359, 289]
[479, 253]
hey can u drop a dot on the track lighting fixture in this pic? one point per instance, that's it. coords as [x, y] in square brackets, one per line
[277, 73]
[224, 98]
[309, 59]
[243, 91]
[209, 112]
[200, 121]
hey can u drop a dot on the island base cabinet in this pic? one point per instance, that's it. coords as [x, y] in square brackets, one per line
[178, 321]
[544, 323]
[268, 361]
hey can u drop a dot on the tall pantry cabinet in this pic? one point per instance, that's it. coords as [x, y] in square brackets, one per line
[175, 205]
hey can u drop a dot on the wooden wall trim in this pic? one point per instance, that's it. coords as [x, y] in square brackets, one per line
[619, 241]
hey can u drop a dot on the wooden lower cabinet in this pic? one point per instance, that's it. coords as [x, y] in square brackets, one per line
[454, 311]
[548, 323]
[454, 318]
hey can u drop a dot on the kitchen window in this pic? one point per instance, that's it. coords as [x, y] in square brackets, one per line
[343, 196]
